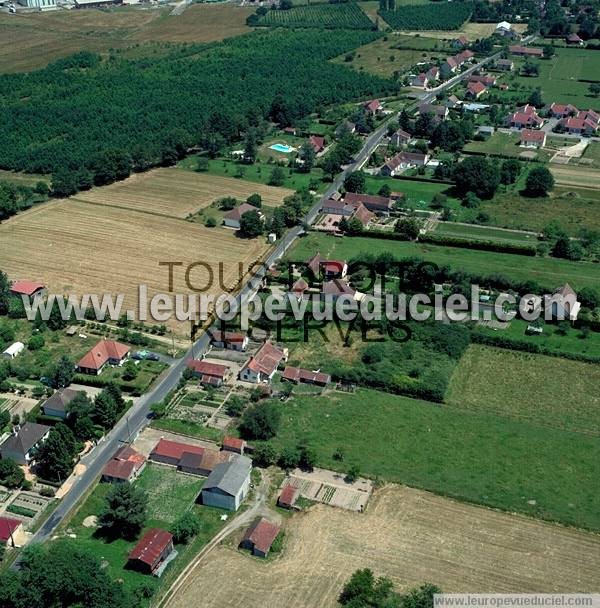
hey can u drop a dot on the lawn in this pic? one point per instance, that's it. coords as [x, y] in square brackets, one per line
[502, 144]
[473, 456]
[484, 233]
[259, 173]
[592, 153]
[549, 272]
[418, 193]
[546, 391]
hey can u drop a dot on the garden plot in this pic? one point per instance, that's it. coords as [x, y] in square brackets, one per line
[330, 488]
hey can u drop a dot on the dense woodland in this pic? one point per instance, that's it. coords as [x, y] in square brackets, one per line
[101, 119]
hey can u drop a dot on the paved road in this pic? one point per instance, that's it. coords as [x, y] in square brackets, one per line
[139, 415]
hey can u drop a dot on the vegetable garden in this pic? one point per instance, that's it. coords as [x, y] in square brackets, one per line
[438, 16]
[330, 16]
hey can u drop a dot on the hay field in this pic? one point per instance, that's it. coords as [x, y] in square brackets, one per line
[30, 41]
[77, 247]
[580, 177]
[177, 193]
[472, 31]
[410, 536]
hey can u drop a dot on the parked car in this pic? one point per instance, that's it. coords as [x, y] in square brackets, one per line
[145, 355]
[152, 357]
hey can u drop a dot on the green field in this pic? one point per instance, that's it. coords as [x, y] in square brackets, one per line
[545, 391]
[484, 233]
[328, 16]
[502, 144]
[434, 16]
[474, 456]
[418, 193]
[548, 272]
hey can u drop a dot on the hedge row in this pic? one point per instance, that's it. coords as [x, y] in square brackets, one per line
[452, 241]
[529, 347]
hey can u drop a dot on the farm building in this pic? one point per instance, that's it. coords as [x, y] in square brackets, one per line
[58, 404]
[21, 443]
[152, 552]
[30, 289]
[533, 139]
[228, 484]
[209, 374]
[263, 365]
[233, 444]
[330, 269]
[105, 352]
[232, 218]
[337, 208]
[259, 537]
[373, 202]
[526, 51]
[297, 375]
[287, 498]
[171, 452]
[202, 464]
[229, 340]
[562, 303]
[125, 466]
[11, 532]
[14, 350]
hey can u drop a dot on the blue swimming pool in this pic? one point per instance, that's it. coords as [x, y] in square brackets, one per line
[282, 148]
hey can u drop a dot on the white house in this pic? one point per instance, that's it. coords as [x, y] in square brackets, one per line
[21, 443]
[263, 365]
[233, 217]
[13, 350]
[228, 484]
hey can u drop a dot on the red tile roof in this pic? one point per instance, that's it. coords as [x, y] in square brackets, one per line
[226, 336]
[337, 288]
[233, 443]
[27, 288]
[317, 142]
[125, 462]
[97, 356]
[208, 369]
[174, 449]
[151, 546]
[475, 88]
[372, 202]
[297, 373]
[266, 360]
[363, 215]
[373, 105]
[288, 496]
[8, 526]
[300, 286]
[261, 534]
[535, 136]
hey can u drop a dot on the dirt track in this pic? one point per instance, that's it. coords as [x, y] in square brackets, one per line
[412, 537]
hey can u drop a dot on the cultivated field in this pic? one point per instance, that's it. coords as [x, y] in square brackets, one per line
[472, 31]
[410, 536]
[177, 193]
[76, 247]
[545, 390]
[30, 41]
[571, 175]
[329, 16]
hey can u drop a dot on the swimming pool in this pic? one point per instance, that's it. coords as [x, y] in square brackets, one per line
[282, 148]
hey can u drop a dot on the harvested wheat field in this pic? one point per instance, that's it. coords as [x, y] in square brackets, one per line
[410, 536]
[76, 247]
[177, 193]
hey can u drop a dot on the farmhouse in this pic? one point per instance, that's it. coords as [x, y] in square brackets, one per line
[259, 537]
[228, 484]
[229, 340]
[124, 467]
[287, 498]
[11, 532]
[152, 551]
[402, 161]
[105, 352]
[21, 443]
[562, 303]
[14, 350]
[30, 289]
[373, 107]
[475, 90]
[171, 452]
[232, 218]
[419, 81]
[377, 204]
[533, 139]
[209, 374]
[58, 404]
[317, 142]
[526, 51]
[400, 138]
[233, 444]
[330, 269]
[505, 65]
[297, 375]
[336, 288]
[263, 365]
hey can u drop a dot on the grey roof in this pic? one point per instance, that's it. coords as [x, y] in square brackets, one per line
[60, 399]
[230, 476]
[28, 436]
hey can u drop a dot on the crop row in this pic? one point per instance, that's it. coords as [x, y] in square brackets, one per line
[438, 16]
[328, 16]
